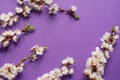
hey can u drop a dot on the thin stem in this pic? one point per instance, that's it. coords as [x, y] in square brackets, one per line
[24, 60]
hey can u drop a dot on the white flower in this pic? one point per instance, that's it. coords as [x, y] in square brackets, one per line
[4, 24]
[65, 70]
[37, 7]
[5, 44]
[87, 71]
[1, 38]
[91, 61]
[64, 61]
[38, 50]
[53, 9]
[105, 37]
[27, 9]
[71, 71]
[93, 75]
[116, 29]
[7, 19]
[10, 14]
[107, 54]
[99, 78]
[15, 18]
[68, 60]
[15, 38]
[8, 33]
[11, 22]
[20, 68]
[48, 1]
[107, 46]
[116, 36]
[99, 55]
[39, 78]
[17, 32]
[34, 57]
[21, 1]
[73, 8]
[58, 72]
[9, 71]
[19, 10]
[4, 17]
[100, 69]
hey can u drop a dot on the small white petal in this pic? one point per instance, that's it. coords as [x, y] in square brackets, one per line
[6, 43]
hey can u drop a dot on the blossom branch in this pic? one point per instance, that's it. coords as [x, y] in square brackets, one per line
[11, 35]
[53, 9]
[28, 5]
[95, 65]
[58, 73]
[10, 71]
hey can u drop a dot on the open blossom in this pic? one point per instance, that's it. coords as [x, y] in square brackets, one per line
[24, 11]
[53, 9]
[95, 65]
[4, 17]
[107, 46]
[9, 35]
[19, 10]
[57, 73]
[73, 8]
[68, 60]
[21, 1]
[48, 1]
[116, 29]
[38, 50]
[10, 71]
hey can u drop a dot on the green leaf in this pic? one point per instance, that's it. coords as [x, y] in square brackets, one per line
[28, 28]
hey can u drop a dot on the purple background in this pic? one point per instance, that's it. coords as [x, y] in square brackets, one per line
[65, 37]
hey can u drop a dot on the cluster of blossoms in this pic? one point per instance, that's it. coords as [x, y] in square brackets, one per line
[53, 8]
[95, 65]
[8, 19]
[24, 11]
[11, 35]
[28, 6]
[58, 73]
[10, 71]
[37, 50]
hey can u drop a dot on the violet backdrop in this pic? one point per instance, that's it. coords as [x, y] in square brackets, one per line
[64, 37]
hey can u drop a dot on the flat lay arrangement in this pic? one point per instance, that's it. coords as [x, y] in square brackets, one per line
[24, 23]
